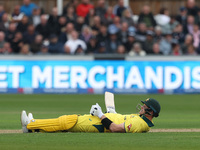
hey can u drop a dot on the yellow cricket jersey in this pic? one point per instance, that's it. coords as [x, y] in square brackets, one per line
[132, 123]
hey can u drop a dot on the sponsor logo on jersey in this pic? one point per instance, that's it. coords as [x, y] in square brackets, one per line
[129, 127]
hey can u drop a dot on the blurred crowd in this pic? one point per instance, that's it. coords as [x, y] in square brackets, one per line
[84, 28]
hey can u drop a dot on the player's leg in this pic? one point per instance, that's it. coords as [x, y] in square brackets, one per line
[50, 125]
[62, 123]
[88, 123]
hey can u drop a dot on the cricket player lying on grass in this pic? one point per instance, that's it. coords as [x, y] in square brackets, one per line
[96, 121]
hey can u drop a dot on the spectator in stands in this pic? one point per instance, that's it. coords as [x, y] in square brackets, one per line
[123, 34]
[30, 34]
[147, 17]
[113, 42]
[27, 7]
[25, 50]
[97, 25]
[178, 33]
[62, 22]
[191, 50]
[173, 22]
[100, 20]
[17, 15]
[198, 49]
[156, 49]
[66, 35]
[101, 48]
[1, 11]
[92, 45]
[2, 39]
[6, 48]
[137, 50]
[100, 9]
[86, 34]
[43, 50]
[71, 15]
[127, 17]
[158, 33]
[103, 33]
[80, 22]
[148, 44]
[23, 24]
[79, 50]
[17, 42]
[192, 8]
[35, 17]
[72, 44]
[197, 18]
[189, 26]
[163, 20]
[43, 28]
[36, 45]
[119, 8]
[89, 19]
[109, 16]
[132, 29]
[188, 41]
[176, 50]
[116, 23]
[54, 46]
[71, 3]
[53, 21]
[121, 49]
[141, 32]
[182, 17]
[165, 43]
[4, 23]
[83, 8]
[10, 33]
[196, 36]
[130, 41]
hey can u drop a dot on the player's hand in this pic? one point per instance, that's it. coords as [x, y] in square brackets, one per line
[96, 110]
[111, 110]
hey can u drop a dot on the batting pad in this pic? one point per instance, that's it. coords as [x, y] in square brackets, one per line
[65, 122]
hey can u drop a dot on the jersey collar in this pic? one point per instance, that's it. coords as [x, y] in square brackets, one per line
[149, 123]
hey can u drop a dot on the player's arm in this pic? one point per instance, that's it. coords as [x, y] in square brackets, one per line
[107, 123]
[111, 125]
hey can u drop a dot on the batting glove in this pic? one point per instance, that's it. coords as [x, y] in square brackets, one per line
[96, 111]
[111, 110]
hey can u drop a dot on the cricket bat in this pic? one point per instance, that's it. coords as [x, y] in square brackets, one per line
[110, 102]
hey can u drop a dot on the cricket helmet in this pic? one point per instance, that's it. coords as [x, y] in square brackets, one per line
[153, 105]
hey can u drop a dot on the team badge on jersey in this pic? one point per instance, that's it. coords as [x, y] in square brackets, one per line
[129, 127]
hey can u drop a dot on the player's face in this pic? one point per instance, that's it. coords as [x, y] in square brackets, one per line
[142, 111]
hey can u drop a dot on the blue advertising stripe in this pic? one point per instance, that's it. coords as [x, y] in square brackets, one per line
[120, 76]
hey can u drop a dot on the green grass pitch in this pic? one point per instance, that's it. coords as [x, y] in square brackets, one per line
[178, 111]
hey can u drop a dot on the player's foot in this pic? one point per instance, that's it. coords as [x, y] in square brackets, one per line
[30, 116]
[24, 121]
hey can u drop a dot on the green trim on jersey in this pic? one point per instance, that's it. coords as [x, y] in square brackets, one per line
[150, 124]
[100, 128]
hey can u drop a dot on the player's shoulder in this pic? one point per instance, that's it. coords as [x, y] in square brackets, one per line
[132, 115]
